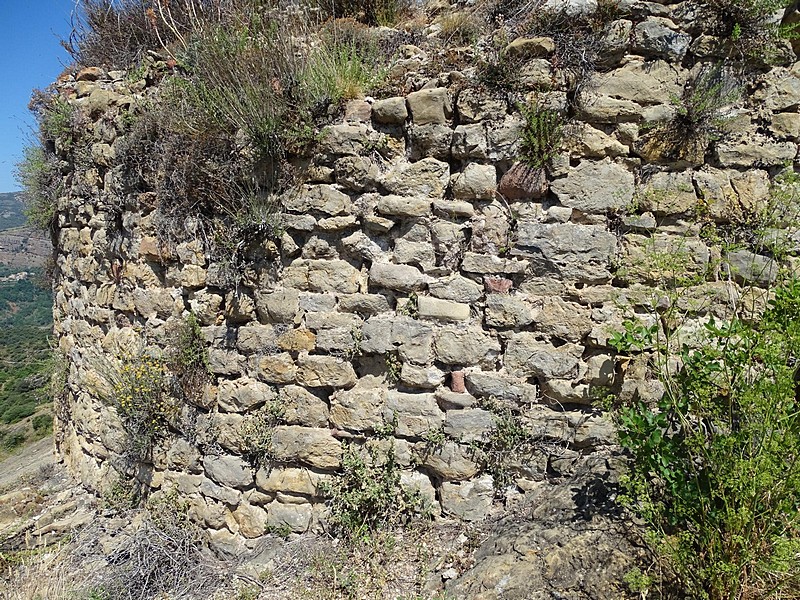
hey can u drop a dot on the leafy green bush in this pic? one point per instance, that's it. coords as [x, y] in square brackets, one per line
[542, 135]
[42, 424]
[188, 360]
[138, 388]
[715, 468]
[366, 495]
[39, 174]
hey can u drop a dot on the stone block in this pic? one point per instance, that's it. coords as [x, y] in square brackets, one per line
[402, 278]
[301, 407]
[252, 520]
[391, 111]
[322, 198]
[294, 517]
[228, 471]
[336, 276]
[595, 187]
[456, 288]
[313, 447]
[449, 462]
[492, 385]
[426, 178]
[425, 378]
[469, 425]
[402, 206]
[324, 371]
[361, 408]
[504, 310]
[469, 500]
[526, 356]
[417, 414]
[475, 182]
[429, 106]
[466, 347]
[243, 395]
[280, 306]
[276, 368]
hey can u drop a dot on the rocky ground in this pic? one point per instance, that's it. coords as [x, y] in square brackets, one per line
[58, 541]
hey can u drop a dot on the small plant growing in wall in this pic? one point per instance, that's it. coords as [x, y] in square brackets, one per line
[188, 361]
[256, 432]
[699, 119]
[509, 441]
[140, 395]
[366, 496]
[542, 135]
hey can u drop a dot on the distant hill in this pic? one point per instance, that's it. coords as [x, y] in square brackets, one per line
[11, 210]
[20, 246]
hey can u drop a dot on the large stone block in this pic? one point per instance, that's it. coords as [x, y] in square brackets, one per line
[228, 471]
[526, 356]
[475, 182]
[301, 407]
[465, 346]
[321, 198]
[402, 278]
[643, 82]
[242, 395]
[595, 187]
[429, 106]
[575, 252]
[449, 461]
[416, 414]
[468, 500]
[296, 517]
[333, 276]
[324, 371]
[314, 447]
[442, 310]
[427, 178]
[361, 408]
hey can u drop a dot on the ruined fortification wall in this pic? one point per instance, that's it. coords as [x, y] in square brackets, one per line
[425, 287]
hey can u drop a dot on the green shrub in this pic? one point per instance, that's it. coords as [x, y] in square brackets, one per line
[12, 439]
[39, 174]
[18, 411]
[699, 119]
[366, 496]
[188, 360]
[542, 135]
[747, 28]
[138, 388]
[715, 463]
[42, 424]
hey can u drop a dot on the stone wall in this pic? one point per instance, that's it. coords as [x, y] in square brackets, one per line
[423, 278]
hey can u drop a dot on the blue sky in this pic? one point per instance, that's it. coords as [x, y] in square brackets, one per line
[30, 57]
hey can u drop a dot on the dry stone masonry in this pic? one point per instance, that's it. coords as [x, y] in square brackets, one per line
[424, 276]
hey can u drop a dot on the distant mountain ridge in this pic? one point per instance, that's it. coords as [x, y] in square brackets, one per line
[12, 210]
[20, 246]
